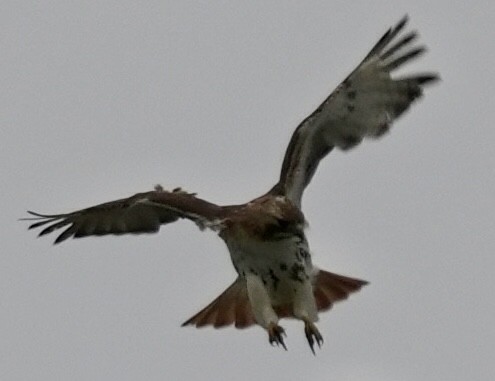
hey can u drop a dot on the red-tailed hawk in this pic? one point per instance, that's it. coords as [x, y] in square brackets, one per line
[265, 237]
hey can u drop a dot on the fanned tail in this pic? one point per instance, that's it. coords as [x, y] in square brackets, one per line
[329, 288]
[233, 306]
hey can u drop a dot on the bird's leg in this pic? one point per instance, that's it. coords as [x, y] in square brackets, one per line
[276, 335]
[263, 310]
[312, 335]
[304, 308]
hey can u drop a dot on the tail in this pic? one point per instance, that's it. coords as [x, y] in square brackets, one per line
[233, 306]
[329, 288]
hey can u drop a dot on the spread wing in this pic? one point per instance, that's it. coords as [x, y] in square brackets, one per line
[364, 105]
[141, 213]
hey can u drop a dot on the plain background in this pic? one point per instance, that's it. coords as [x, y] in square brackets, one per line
[102, 99]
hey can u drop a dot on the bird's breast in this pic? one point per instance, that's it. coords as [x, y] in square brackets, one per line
[282, 265]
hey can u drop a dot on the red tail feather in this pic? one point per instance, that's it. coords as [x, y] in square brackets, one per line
[233, 306]
[329, 288]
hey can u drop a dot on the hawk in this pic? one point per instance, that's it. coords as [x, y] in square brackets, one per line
[265, 237]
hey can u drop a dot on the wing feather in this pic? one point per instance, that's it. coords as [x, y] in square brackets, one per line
[364, 105]
[141, 213]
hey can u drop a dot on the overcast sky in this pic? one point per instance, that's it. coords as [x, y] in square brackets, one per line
[103, 99]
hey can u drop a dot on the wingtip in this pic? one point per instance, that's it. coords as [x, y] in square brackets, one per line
[59, 239]
[36, 216]
[429, 79]
[364, 283]
[402, 22]
[400, 25]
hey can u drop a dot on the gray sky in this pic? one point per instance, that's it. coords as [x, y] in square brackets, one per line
[101, 100]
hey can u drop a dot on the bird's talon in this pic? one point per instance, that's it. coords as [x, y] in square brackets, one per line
[276, 335]
[312, 335]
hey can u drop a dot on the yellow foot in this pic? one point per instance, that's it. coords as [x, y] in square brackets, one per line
[275, 335]
[312, 335]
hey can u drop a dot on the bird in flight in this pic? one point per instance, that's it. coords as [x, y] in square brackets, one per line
[265, 237]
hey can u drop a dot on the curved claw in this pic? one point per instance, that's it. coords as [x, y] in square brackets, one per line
[312, 335]
[276, 335]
